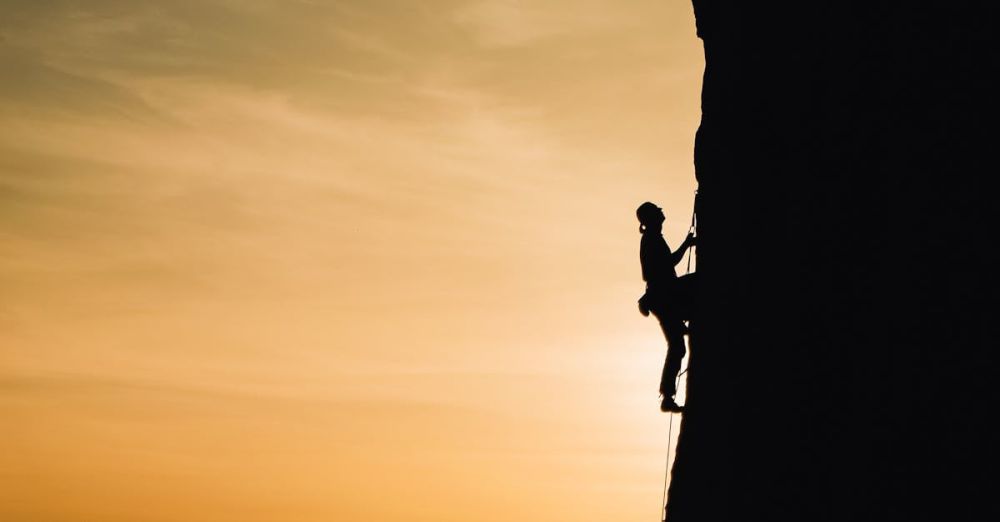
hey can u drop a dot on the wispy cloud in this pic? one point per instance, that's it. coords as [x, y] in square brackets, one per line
[503, 23]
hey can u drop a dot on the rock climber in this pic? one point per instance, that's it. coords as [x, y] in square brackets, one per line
[668, 297]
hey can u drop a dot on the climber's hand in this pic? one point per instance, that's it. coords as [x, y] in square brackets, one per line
[644, 306]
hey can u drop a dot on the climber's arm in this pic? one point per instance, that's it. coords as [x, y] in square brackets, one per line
[678, 256]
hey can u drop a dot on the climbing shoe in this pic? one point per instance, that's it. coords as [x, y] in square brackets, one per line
[668, 405]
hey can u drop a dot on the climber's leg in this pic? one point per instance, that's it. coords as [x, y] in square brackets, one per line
[673, 330]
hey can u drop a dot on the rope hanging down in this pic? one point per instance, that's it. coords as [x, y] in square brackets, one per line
[666, 472]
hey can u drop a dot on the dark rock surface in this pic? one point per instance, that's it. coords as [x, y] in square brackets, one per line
[841, 364]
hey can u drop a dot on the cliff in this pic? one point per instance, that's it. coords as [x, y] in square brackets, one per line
[840, 362]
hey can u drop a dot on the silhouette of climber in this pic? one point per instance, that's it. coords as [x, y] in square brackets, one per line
[668, 297]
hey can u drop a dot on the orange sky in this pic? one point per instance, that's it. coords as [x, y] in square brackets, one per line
[275, 260]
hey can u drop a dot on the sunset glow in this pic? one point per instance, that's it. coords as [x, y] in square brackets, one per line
[336, 261]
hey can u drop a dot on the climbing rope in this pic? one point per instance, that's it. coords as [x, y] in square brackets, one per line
[670, 431]
[666, 472]
[693, 229]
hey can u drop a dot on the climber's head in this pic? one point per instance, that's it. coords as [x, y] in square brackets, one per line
[650, 217]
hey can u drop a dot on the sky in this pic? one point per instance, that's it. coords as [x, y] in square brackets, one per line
[303, 260]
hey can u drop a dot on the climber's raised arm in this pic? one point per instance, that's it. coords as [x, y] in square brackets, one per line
[678, 256]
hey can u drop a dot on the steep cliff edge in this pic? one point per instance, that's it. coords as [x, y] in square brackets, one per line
[841, 359]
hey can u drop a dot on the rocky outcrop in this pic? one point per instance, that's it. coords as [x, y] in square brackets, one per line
[841, 360]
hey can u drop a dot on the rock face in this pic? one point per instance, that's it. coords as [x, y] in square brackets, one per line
[842, 358]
